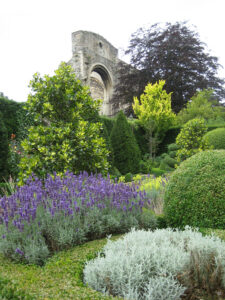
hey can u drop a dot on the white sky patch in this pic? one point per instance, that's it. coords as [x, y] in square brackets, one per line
[35, 36]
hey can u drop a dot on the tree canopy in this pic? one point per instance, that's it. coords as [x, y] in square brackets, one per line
[202, 105]
[174, 53]
[67, 130]
[154, 112]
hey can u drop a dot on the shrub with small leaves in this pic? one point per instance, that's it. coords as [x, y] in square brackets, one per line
[216, 138]
[190, 139]
[195, 193]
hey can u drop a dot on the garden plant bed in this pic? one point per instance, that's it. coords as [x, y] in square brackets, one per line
[61, 277]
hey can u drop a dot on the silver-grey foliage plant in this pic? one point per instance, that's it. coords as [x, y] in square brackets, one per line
[146, 265]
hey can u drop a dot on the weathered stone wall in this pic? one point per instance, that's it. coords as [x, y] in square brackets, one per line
[95, 61]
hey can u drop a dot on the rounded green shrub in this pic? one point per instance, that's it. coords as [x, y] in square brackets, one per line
[216, 138]
[195, 194]
[172, 150]
[164, 166]
[171, 162]
[128, 177]
[157, 172]
[173, 147]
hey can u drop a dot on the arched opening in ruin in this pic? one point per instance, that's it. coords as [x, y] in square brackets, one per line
[101, 87]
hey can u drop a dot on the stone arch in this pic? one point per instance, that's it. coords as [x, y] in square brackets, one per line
[95, 62]
[101, 85]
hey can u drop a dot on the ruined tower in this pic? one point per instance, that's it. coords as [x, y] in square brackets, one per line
[95, 63]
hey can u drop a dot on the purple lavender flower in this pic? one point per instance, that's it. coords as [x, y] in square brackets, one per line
[19, 252]
[70, 195]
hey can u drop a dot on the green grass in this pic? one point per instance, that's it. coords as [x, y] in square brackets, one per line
[61, 277]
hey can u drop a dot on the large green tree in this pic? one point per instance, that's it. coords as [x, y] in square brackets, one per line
[202, 105]
[172, 52]
[66, 135]
[154, 113]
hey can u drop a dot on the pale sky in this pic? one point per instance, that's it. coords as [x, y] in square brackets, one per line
[35, 35]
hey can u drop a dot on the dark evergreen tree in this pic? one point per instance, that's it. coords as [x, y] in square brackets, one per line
[9, 110]
[173, 53]
[125, 148]
[4, 150]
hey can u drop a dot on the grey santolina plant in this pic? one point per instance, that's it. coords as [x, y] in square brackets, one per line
[157, 265]
[195, 193]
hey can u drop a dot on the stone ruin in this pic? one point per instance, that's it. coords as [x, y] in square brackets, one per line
[95, 62]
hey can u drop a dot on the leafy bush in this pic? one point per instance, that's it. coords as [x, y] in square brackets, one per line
[172, 147]
[169, 138]
[157, 172]
[195, 194]
[61, 212]
[190, 139]
[216, 138]
[164, 166]
[161, 265]
[146, 164]
[4, 151]
[67, 131]
[143, 167]
[154, 189]
[202, 105]
[9, 291]
[172, 150]
[106, 137]
[170, 161]
[128, 177]
[125, 148]
[9, 110]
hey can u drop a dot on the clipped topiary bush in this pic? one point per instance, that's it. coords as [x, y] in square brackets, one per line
[216, 138]
[195, 194]
[125, 148]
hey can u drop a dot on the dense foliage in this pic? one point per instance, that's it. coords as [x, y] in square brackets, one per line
[216, 138]
[190, 139]
[195, 194]
[154, 113]
[125, 148]
[62, 212]
[160, 265]
[172, 52]
[202, 105]
[66, 135]
[9, 110]
[4, 150]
